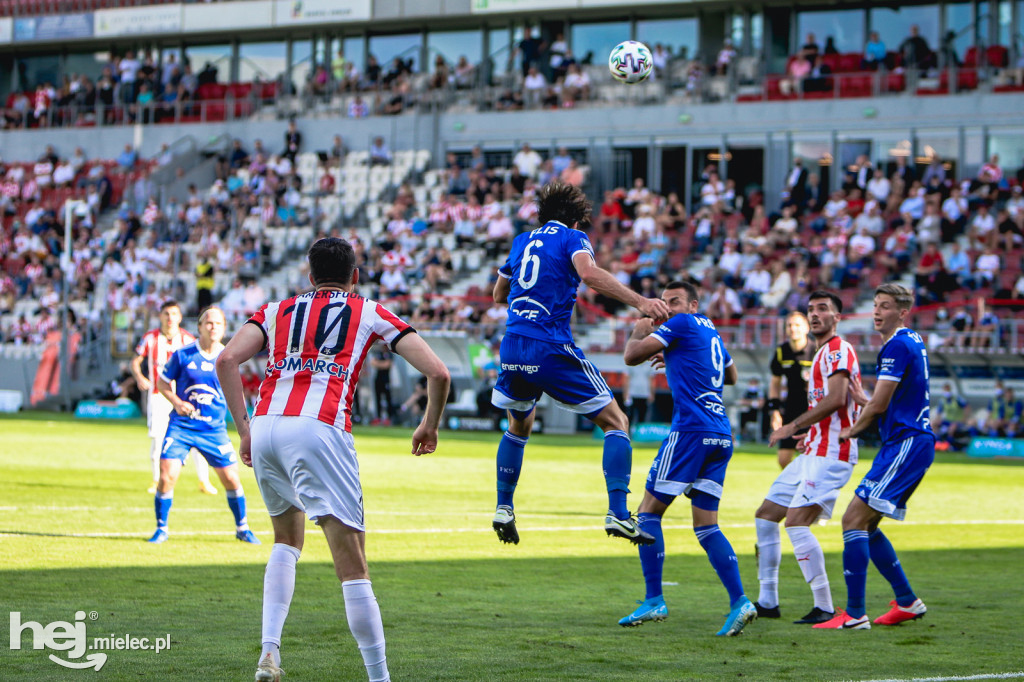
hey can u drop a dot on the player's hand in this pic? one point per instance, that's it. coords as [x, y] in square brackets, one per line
[776, 420]
[644, 326]
[184, 409]
[144, 384]
[424, 440]
[657, 361]
[782, 433]
[858, 394]
[844, 434]
[655, 308]
[245, 450]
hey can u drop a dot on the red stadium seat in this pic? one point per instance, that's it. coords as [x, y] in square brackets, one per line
[832, 61]
[211, 91]
[997, 55]
[239, 90]
[850, 62]
[856, 86]
[895, 82]
[971, 57]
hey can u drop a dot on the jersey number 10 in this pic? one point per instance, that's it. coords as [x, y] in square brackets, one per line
[327, 329]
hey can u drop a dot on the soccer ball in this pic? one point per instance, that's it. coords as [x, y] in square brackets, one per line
[630, 62]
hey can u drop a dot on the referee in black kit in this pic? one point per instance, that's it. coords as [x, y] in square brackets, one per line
[792, 361]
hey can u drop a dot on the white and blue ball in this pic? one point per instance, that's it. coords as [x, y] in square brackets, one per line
[630, 62]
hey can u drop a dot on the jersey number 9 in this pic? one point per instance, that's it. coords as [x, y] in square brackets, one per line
[718, 362]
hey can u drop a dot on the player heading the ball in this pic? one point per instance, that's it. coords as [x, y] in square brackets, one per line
[538, 355]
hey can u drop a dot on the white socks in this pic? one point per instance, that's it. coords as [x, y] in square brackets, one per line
[364, 621]
[154, 457]
[769, 545]
[278, 588]
[811, 560]
[202, 468]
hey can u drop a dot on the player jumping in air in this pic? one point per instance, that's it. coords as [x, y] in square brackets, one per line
[900, 403]
[693, 459]
[538, 355]
[189, 382]
[155, 348]
[808, 487]
[300, 443]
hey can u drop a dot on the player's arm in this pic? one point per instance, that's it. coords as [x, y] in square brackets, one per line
[140, 379]
[501, 289]
[167, 390]
[641, 345]
[876, 407]
[838, 390]
[415, 350]
[246, 342]
[604, 283]
[731, 375]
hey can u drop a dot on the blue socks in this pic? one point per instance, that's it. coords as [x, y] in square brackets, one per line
[855, 569]
[723, 560]
[885, 560]
[162, 504]
[236, 500]
[510, 463]
[652, 557]
[617, 462]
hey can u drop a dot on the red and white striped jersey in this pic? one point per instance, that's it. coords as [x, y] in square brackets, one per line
[158, 349]
[317, 343]
[823, 438]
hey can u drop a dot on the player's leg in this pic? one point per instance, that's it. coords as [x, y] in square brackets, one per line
[785, 456]
[203, 474]
[158, 414]
[811, 560]
[652, 560]
[361, 608]
[509, 464]
[769, 557]
[617, 458]
[723, 559]
[279, 587]
[173, 454]
[228, 476]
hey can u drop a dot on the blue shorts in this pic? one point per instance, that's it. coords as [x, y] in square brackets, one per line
[690, 462]
[530, 367]
[215, 446]
[895, 474]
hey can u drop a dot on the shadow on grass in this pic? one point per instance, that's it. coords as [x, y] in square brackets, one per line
[515, 619]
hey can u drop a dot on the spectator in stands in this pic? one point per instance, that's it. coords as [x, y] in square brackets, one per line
[128, 68]
[527, 160]
[817, 80]
[982, 228]
[711, 191]
[725, 57]
[951, 414]
[830, 46]
[986, 267]
[724, 303]
[915, 50]
[796, 185]
[442, 76]
[292, 141]
[930, 277]
[534, 85]
[127, 159]
[528, 50]
[875, 55]
[465, 73]
[810, 49]
[576, 86]
[660, 57]
[573, 175]
[380, 154]
[799, 68]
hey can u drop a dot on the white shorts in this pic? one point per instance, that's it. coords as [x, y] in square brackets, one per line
[810, 480]
[304, 463]
[158, 415]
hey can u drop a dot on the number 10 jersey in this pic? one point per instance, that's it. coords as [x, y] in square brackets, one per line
[543, 282]
[317, 343]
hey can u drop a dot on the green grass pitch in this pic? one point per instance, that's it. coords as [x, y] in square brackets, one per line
[457, 605]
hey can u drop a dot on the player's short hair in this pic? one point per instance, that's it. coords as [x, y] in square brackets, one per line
[169, 303]
[903, 296]
[331, 261]
[796, 313]
[563, 202]
[206, 310]
[691, 291]
[837, 302]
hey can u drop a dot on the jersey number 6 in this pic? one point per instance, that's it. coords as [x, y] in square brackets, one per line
[530, 259]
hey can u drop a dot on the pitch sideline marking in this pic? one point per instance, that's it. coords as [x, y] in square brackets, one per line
[957, 678]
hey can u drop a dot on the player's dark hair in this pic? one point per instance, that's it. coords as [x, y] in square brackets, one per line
[331, 261]
[837, 302]
[903, 296]
[691, 291]
[562, 202]
[169, 303]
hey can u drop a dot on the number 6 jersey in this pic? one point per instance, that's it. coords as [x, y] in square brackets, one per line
[543, 281]
[317, 343]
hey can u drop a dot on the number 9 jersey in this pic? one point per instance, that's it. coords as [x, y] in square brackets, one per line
[317, 343]
[543, 281]
[695, 361]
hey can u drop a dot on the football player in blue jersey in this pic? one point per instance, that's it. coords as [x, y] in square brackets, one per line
[189, 381]
[693, 459]
[900, 403]
[539, 282]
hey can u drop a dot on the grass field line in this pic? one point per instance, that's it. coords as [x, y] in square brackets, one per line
[956, 678]
[476, 529]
